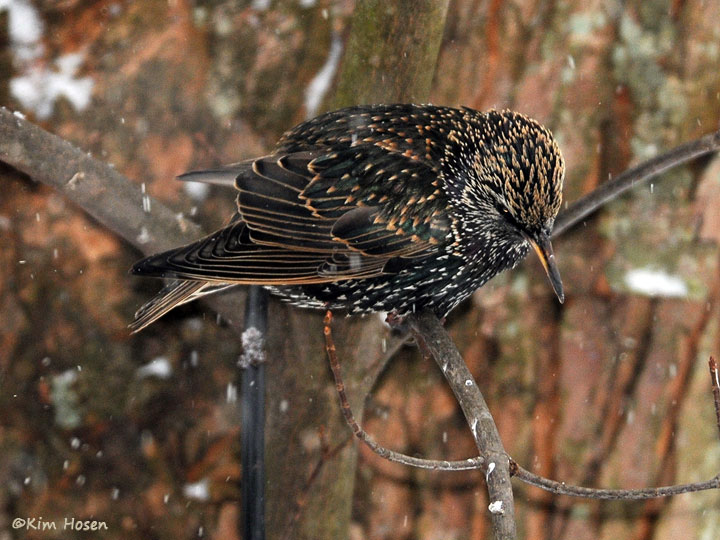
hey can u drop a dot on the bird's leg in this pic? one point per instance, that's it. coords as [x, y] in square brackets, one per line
[395, 321]
[398, 322]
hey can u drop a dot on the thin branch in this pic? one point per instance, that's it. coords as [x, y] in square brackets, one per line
[715, 382]
[360, 433]
[614, 188]
[561, 488]
[433, 339]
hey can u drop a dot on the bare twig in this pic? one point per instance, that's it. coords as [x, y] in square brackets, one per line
[630, 178]
[433, 339]
[360, 433]
[715, 382]
[561, 488]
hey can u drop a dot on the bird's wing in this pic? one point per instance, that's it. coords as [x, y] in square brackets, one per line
[307, 218]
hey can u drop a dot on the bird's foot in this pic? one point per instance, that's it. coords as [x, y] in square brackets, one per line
[395, 321]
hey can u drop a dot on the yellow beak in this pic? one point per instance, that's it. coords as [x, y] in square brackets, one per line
[544, 250]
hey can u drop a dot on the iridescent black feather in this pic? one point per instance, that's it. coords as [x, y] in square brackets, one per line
[377, 208]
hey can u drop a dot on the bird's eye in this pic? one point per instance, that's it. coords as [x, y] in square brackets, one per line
[507, 215]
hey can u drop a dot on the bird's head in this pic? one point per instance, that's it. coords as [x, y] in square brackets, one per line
[518, 174]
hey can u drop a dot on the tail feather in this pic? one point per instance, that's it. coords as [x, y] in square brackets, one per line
[172, 295]
[223, 176]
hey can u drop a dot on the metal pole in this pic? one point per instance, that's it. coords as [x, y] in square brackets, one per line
[252, 404]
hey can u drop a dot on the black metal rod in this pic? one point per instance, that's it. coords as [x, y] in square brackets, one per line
[252, 404]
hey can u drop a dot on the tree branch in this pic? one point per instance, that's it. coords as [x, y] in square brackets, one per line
[105, 194]
[96, 187]
[612, 189]
[434, 340]
[561, 488]
[715, 382]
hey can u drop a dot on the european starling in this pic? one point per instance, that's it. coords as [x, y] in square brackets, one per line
[377, 208]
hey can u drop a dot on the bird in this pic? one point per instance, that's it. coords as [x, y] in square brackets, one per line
[377, 208]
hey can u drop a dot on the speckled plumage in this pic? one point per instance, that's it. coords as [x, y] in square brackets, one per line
[378, 208]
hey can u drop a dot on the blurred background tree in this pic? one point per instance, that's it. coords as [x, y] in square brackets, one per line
[609, 389]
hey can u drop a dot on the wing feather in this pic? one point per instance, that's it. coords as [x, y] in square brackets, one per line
[303, 218]
[175, 293]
